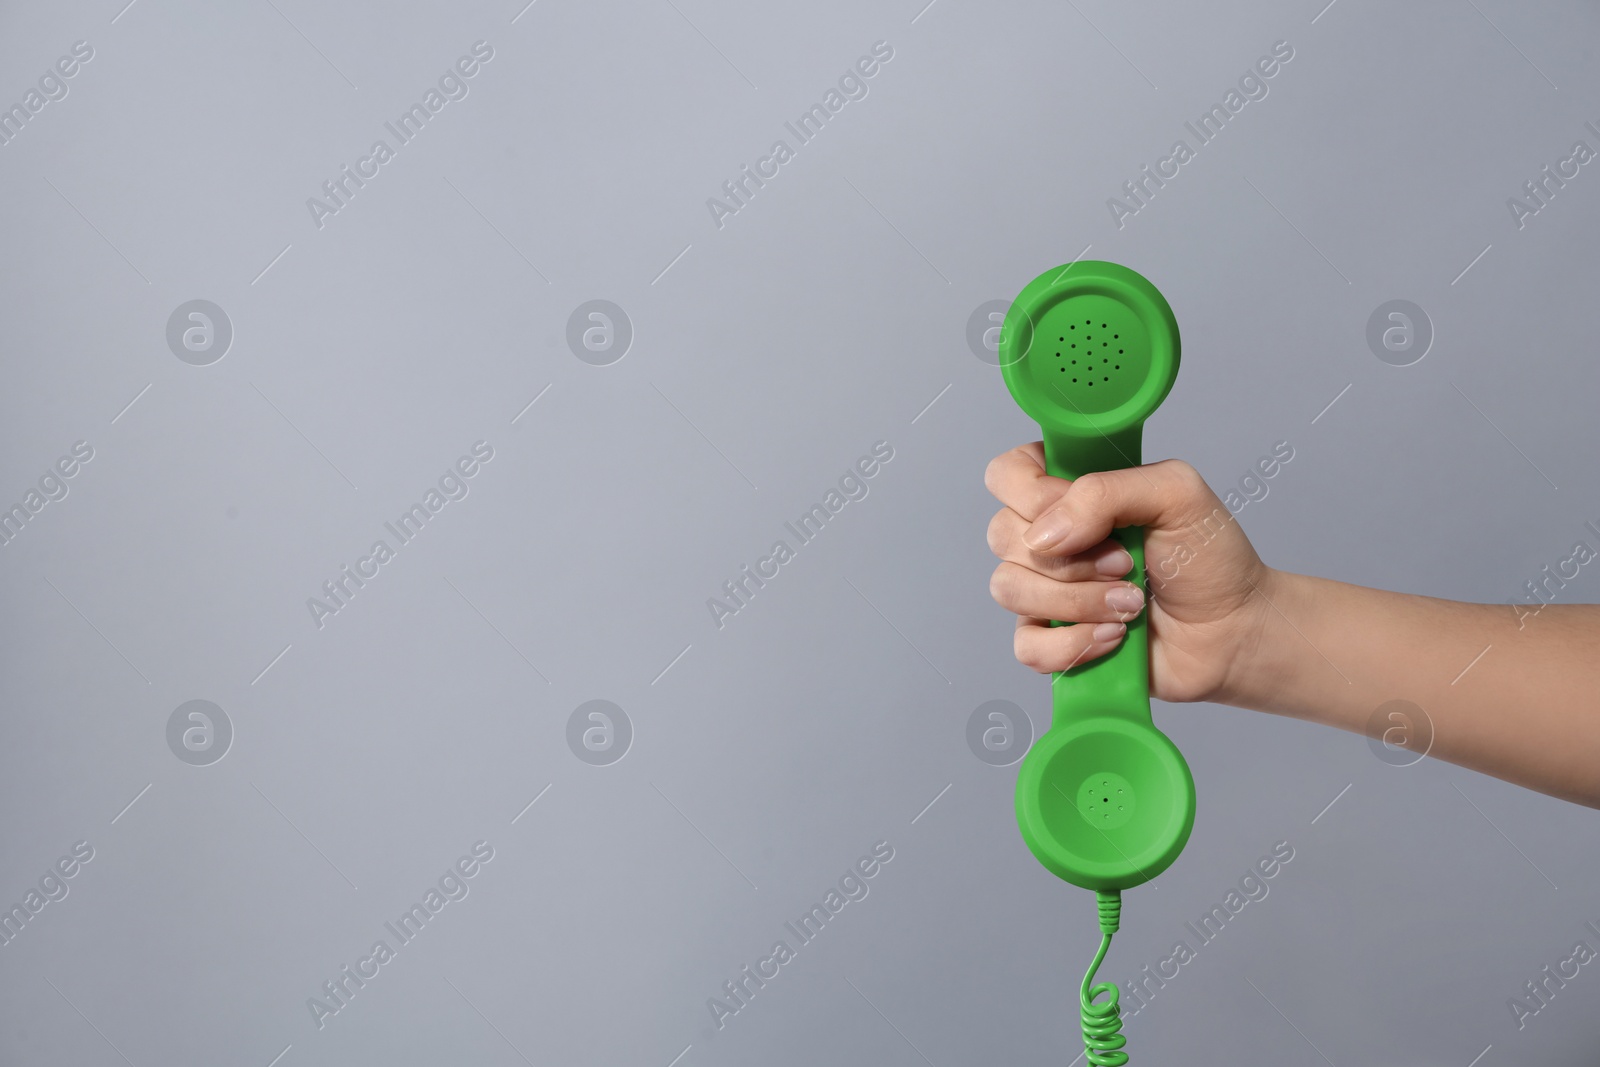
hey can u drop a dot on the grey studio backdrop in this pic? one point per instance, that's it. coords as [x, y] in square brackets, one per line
[601, 872]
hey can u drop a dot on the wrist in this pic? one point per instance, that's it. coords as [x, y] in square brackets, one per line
[1260, 674]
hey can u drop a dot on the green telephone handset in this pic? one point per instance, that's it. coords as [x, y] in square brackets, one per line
[1104, 799]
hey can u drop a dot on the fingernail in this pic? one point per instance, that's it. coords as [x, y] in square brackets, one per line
[1115, 563]
[1125, 598]
[1108, 631]
[1048, 532]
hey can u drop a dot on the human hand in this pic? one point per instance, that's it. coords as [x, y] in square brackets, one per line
[1210, 592]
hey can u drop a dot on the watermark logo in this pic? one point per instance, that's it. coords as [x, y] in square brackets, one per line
[1252, 85]
[1538, 991]
[1252, 888]
[983, 330]
[1399, 333]
[599, 333]
[853, 85]
[351, 979]
[1251, 488]
[53, 86]
[738, 992]
[999, 732]
[599, 732]
[51, 887]
[454, 484]
[1541, 591]
[51, 487]
[853, 485]
[1400, 733]
[199, 333]
[199, 732]
[453, 84]
[1538, 191]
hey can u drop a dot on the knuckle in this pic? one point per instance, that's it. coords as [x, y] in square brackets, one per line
[1092, 491]
[1025, 650]
[1185, 478]
[991, 474]
[1193, 499]
[998, 533]
[1003, 585]
[1000, 468]
[1013, 587]
[1030, 652]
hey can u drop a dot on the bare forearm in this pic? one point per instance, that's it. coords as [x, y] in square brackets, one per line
[1522, 704]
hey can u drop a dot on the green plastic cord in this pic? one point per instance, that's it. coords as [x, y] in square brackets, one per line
[1102, 1022]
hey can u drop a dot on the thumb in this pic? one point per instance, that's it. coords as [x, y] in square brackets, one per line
[1167, 495]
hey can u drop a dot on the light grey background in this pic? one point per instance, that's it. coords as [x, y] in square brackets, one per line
[768, 355]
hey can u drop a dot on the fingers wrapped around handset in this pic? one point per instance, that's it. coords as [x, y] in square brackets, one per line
[1048, 648]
